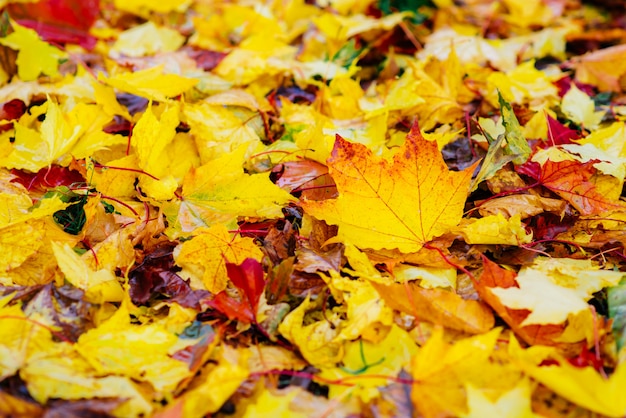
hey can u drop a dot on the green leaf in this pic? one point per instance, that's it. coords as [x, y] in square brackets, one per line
[73, 218]
[414, 6]
[617, 312]
[516, 144]
[495, 159]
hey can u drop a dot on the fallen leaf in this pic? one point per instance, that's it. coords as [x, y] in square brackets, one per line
[100, 286]
[583, 386]
[522, 205]
[220, 192]
[277, 404]
[494, 276]
[150, 83]
[577, 183]
[580, 108]
[441, 307]
[208, 252]
[604, 68]
[512, 404]
[571, 282]
[147, 39]
[495, 229]
[409, 201]
[439, 383]
[35, 56]
[369, 364]
[248, 279]
[112, 348]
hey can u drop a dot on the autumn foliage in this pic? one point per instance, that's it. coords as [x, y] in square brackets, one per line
[312, 208]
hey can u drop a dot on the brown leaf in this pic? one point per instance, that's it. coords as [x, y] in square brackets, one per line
[438, 306]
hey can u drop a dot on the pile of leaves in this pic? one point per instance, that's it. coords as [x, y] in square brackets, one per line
[312, 208]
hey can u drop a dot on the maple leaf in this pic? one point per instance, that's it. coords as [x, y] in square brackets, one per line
[581, 385]
[112, 348]
[442, 370]
[279, 403]
[512, 404]
[35, 56]
[580, 108]
[248, 278]
[100, 286]
[441, 307]
[576, 182]
[150, 83]
[604, 68]
[494, 276]
[174, 169]
[147, 39]
[316, 340]
[220, 192]
[207, 253]
[495, 229]
[370, 361]
[572, 282]
[400, 205]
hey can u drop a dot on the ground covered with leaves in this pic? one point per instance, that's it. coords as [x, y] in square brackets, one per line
[318, 209]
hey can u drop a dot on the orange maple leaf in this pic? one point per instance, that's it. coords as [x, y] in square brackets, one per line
[575, 182]
[578, 183]
[392, 205]
[439, 306]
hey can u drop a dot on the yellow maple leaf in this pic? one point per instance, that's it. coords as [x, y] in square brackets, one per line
[216, 384]
[522, 83]
[23, 232]
[367, 364]
[117, 178]
[147, 39]
[19, 337]
[143, 7]
[220, 192]
[514, 403]
[33, 150]
[60, 372]
[571, 282]
[140, 352]
[219, 130]
[580, 108]
[105, 97]
[365, 310]
[207, 253]
[150, 83]
[274, 404]
[100, 286]
[441, 371]
[495, 229]
[35, 55]
[316, 341]
[528, 12]
[400, 205]
[583, 386]
[151, 137]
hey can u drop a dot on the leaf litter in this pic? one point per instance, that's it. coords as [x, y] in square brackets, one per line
[338, 208]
